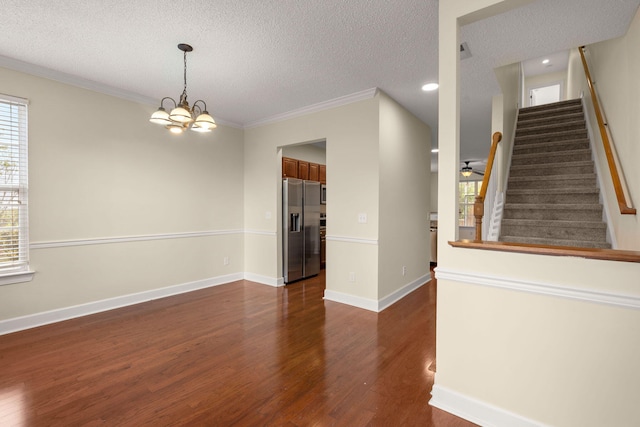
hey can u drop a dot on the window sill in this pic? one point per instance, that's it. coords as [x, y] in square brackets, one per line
[16, 277]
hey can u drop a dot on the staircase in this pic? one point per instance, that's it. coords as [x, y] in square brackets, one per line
[552, 197]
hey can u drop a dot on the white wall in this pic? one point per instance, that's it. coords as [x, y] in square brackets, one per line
[615, 66]
[98, 169]
[548, 340]
[405, 159]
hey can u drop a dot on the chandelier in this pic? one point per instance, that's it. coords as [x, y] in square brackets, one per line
[182, 116]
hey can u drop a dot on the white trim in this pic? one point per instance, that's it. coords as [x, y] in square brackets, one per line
[366, 303]
[261, 232]
[124, 239]
[603, 192]
[397, 295]
[477, 411]
[16, 277]
[33, 320]
[47, 73]
[321, 106]
[345, 239]
[15, 99]
[265, 280]
[608, 298]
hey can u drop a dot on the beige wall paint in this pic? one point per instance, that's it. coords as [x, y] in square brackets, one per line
[352, 135]
[522, 352]
[306, 152]
[615, 65]
[99, 169]
[405, 156]
[433, 195]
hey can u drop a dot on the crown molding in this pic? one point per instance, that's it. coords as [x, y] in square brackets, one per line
[59, 76]
[48, 73]
[321, 106]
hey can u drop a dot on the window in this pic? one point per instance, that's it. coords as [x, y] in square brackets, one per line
[467, 192]
[14, 220]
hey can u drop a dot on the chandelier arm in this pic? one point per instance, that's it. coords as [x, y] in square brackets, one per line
[200, 108]
[172, 100]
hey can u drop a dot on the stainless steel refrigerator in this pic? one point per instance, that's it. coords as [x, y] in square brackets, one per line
[301, 228]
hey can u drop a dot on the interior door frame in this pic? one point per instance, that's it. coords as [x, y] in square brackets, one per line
[542, 85]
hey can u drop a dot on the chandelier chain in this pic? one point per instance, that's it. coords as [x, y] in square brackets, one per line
[184, 91]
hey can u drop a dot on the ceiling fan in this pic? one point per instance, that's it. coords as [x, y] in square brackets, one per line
[467, 170]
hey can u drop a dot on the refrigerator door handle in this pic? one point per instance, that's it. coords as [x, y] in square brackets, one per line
[295, 223]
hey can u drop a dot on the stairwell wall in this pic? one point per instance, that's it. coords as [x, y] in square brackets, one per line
[614, 65]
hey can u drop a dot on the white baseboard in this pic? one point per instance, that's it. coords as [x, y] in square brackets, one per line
[366, 303]
[371, 304]
[477, 411]
[403, 292]
[39, 319]
[265, 280]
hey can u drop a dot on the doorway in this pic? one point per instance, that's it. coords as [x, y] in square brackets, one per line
[545, 94]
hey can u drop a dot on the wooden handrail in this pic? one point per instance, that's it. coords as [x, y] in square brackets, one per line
[478, 206]
[624, 206]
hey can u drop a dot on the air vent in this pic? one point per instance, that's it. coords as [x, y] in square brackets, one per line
[464, 51]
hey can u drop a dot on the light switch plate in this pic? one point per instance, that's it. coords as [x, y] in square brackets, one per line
[362, 218]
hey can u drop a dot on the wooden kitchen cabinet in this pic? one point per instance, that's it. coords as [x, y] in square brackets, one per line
[314, 172]
[303, 169]
[289, 168]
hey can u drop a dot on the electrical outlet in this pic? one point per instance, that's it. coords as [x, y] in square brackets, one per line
[362, 218]
[225, 260]
[267, 215]
[404, 270]
[352, 276]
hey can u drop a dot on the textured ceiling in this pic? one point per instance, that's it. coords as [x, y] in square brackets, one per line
[255, 59]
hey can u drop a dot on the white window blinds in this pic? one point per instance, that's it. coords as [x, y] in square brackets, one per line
[14, 220]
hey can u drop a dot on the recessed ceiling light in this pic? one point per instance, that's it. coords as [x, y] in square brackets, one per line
[545, 61]
[435, 150]
[429, 87]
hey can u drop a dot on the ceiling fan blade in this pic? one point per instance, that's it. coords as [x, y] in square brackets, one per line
[479, 173]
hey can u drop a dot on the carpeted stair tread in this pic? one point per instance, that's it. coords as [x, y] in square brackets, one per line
[556, 242]
[555, 223]
[588, 231]
[576, 177]
[553, 106]
[534, 121]
[550, 146]
[586, 190]
[552, 206]
[543, 158]
[551, 136]
[554, 169]
[551, 128]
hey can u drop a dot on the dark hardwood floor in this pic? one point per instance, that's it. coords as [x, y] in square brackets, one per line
[241, 354]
